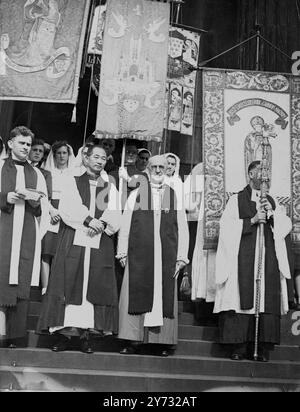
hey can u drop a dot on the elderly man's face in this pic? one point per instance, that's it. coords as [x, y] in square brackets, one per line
[157, 171]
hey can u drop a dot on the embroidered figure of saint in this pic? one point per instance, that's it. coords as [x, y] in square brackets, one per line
[254, 144]
[188, 109]
[175, 109]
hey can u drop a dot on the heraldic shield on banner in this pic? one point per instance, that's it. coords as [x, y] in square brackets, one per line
[240, 109]
[41, 43]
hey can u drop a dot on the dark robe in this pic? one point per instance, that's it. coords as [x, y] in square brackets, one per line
[14, 299]
[48, 178]
[141, 255]
[67, 274]
[247, 210]
[240, 328]
[10, 294]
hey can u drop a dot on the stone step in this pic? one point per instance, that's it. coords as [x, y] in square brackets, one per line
[14, 379]
[215, 350]
[184, 347]
[189, 326]
[41, 358]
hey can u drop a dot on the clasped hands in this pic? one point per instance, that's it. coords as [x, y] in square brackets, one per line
[264, 208]
[96, 227]
[15, 197]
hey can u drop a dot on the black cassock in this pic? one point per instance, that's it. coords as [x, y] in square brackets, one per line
[71, 282]
[20, 244]
[238, 328]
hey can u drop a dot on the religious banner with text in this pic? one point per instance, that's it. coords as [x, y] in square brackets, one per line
[134, 70]
[41, 47]
[239, 110]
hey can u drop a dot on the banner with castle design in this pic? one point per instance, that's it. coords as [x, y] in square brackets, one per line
[41, 46]
[240, 109]
[134, 70]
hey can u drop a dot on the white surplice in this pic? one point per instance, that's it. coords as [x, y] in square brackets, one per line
[74, 213]
[155, 317]
[231, 227]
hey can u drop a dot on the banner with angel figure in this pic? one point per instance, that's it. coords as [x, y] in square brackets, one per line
[134, 70]
[41, 46]
[241, 110]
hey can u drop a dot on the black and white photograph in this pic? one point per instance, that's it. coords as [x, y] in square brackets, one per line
[149, 199]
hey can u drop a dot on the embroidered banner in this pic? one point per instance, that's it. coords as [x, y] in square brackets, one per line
[134, 70]
[41, 46]
[238, 109]
[97, 30]
[182, 71]
[183, 56]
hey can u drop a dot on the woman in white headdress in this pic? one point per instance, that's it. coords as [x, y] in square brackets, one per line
[60, 163]
[172, 177]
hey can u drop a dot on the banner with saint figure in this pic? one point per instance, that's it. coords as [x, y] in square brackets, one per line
[241, 110]
[134, 70]
[41, 46]
[183, 58]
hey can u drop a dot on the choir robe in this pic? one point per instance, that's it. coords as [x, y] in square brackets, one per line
[236, 271]
[20, 245]
[82, 291]
[156, 325]
[203, 261]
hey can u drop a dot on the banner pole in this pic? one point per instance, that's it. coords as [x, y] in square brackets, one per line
[89, 100]
[121, 180]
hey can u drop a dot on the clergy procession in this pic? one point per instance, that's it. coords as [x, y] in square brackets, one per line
[63, 229]
[149, 195]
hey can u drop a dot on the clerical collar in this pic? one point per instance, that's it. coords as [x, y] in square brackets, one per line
[19, 163]
[256, 195]
[93, 176]
[157, 185]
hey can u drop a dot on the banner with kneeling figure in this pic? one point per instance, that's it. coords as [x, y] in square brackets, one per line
[240, 111]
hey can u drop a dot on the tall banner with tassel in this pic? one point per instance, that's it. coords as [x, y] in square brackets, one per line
[41, 46]
[134, 70]
[240, 111]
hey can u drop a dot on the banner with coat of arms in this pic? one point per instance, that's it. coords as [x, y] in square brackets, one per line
[182, 71]
[239, 110]
[134, 70]
[41, 46]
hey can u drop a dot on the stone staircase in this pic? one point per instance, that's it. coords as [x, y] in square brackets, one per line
[200, 364]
